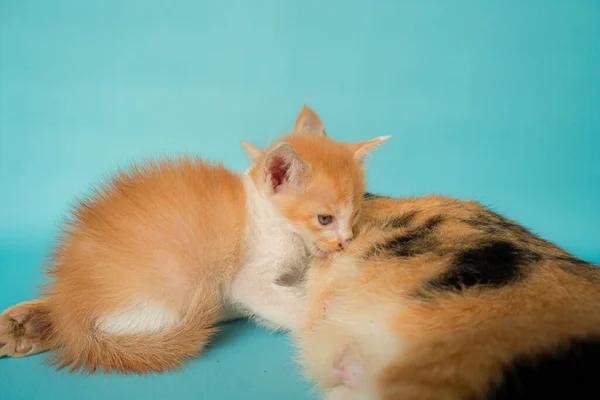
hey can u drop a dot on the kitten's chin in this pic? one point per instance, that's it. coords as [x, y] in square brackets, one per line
[321, 253]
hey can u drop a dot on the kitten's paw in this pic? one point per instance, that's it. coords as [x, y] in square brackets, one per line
[23, 330]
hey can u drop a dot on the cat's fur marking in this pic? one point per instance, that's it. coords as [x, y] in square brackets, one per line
[567, 372]
[452, 302]
[495, 263]
[368, 195]
[144, 316]
[401, 221]
[412, 241]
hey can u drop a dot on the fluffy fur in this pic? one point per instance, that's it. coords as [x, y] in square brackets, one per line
[444, 299]
[156, 257]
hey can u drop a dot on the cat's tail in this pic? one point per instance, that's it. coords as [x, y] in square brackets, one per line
[83, 348]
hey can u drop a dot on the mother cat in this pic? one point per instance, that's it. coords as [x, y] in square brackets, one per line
[441, 299]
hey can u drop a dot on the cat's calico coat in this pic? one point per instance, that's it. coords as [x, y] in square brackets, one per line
[156, 257]
[441, 299]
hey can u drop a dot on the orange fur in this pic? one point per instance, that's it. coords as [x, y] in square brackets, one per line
[416, 340]
[336, 184]
[149, 263]
[171, 232]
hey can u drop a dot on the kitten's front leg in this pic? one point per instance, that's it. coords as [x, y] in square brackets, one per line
[278, 305]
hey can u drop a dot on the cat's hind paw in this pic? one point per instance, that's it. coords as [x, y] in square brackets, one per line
[24, 330]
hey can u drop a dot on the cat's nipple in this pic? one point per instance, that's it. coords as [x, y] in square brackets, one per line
[351, 375]
[349, 368]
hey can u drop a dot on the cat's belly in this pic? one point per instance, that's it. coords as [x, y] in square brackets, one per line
[351, 342]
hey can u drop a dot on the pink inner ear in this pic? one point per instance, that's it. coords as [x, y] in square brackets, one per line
[278, 171]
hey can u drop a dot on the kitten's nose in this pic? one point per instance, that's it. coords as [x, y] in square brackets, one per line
[343, 242]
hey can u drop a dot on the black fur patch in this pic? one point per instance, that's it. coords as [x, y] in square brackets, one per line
[368, 195]
[401, 221]
[576, 266]
[413, 242]
[432, 222]
[496, 263]
[569, 372]
[491, 222]
[571, 260]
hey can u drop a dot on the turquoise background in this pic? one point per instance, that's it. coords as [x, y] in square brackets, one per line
[497, 101]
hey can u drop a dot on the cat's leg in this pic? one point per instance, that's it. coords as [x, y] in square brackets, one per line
[24, 329]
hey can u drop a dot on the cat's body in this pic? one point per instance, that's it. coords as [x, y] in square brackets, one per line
[443, 299]
[153, 260]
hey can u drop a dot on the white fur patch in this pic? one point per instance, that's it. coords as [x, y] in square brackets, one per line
[356, 319]
[344, 223]
[273, 247]
[366, 316]
[146, 317]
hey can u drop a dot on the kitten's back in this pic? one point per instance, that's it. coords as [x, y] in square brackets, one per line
[140, 267]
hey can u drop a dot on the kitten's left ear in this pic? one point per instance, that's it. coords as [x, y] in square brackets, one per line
[362, 149]
[284, 168]
[251, 151]
[309, 122]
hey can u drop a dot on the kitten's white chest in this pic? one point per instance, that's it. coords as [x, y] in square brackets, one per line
[272, 249]
[271, 242]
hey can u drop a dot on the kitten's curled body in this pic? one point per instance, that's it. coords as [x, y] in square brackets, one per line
[153, 260]
[444, 299]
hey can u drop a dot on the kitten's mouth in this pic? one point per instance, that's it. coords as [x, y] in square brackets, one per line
[322, 253]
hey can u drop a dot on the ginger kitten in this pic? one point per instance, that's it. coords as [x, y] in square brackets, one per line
[151, 261]
[441, 299]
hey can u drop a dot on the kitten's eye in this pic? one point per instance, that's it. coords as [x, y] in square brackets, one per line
[324, 219]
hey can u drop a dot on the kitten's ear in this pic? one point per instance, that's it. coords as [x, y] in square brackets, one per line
[284, 168]
[362, 149]
[251, 151]
[309, 122]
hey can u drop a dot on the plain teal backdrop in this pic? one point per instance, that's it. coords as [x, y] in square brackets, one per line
[497, 101]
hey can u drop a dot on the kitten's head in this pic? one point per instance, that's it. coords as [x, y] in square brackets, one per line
[315, 182]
